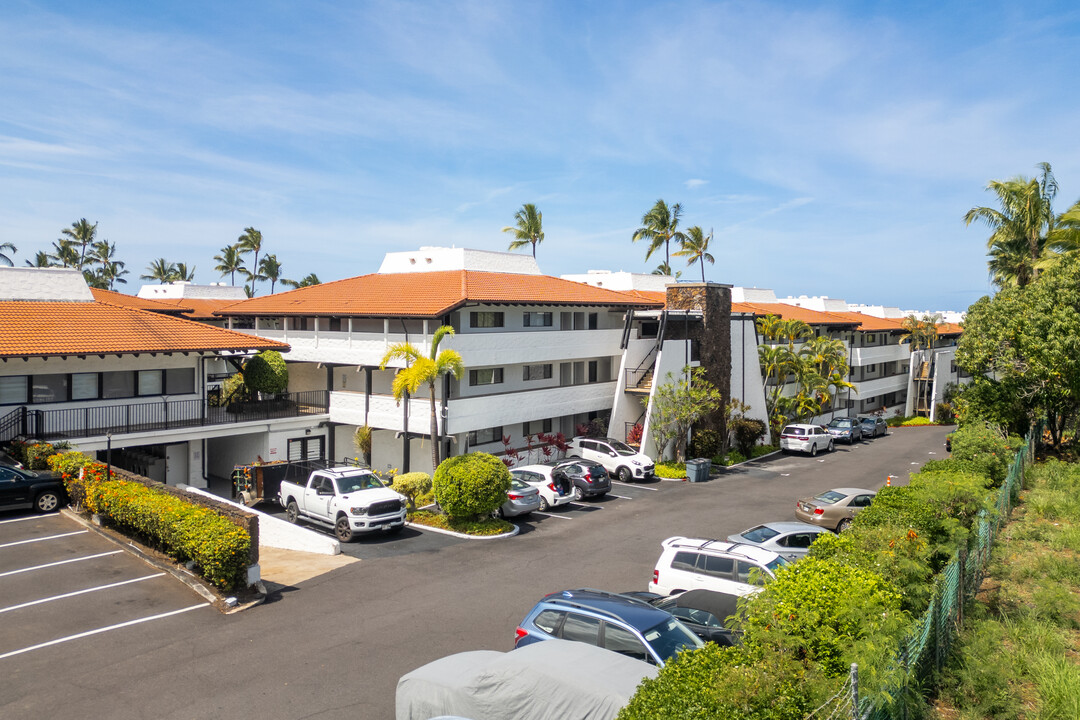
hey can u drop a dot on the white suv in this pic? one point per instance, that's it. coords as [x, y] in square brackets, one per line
[618, 458]
[697, 564]
[805, 438]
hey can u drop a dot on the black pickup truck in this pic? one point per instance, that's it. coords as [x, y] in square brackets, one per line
[20, 488]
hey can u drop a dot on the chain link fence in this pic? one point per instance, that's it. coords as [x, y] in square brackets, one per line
[924, 652]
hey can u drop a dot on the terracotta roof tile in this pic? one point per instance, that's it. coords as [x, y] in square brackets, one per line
[133, 301]
[430, 294]
[198, 308]
[36, 329]
[793, 312]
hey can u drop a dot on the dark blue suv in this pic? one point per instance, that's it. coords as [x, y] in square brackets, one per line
[616, 622]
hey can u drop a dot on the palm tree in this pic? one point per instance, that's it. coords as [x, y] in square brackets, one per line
[82, 234]
[665, 269]
[270, 269]
[41, 260]
[1025, 220]
[251, 241]
[660, 226]
[7, 247]
[696, 247]
[111, 271]
[64, 252]
[229, 261]
[161, 270]
[420, 370]
[529, 229]
[180, 272]
[307, 281]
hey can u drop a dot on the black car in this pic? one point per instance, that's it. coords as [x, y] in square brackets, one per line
[589, 479]
[21, 488]
[704, 612]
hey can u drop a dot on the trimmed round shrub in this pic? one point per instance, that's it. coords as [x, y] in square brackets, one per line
[471, 485]
[747, 432]
[266, 373]
[412, 485]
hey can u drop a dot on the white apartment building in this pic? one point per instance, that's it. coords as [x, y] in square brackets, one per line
[101, 371]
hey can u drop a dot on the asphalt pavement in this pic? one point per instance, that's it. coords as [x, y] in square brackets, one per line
[336, 644]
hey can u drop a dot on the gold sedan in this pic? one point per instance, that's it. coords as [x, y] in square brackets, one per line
[834, 509]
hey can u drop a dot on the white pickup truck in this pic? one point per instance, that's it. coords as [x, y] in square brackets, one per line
[348, 499]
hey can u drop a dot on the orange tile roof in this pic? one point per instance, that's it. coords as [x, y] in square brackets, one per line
[45, 329]
[198, 308]
[431, 294]
[950, 329]
[793, 312]
[133, 301]
[872, 323]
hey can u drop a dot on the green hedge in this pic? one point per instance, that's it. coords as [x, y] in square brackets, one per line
[470, 486]
[671, 470]
[851, 601]
[181, 529]
[412, 485]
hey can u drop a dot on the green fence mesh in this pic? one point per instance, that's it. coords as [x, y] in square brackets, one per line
[927, 646]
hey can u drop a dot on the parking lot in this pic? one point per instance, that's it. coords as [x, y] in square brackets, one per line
[62, 583]
[337, 643]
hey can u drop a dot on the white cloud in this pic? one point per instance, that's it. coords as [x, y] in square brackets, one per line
[694, 183]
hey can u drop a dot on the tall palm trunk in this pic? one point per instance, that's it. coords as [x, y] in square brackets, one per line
[434, 430]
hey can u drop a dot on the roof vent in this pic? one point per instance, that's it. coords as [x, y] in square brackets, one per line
[412, 261]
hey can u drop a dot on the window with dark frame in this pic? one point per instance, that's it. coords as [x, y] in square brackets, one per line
[486, 436]
[485, 319]
[537, 319]
[108, 385]
[537, 372]
[486, 376]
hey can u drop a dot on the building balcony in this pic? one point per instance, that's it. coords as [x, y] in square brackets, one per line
[74, 423]
[381, 411]
[873, 387]
[879, 354]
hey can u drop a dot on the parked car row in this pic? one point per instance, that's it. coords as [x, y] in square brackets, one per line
[812, 439]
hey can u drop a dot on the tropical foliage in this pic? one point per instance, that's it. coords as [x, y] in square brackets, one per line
[659, 227]
[695, 248]
[528, 228]
[229, 262]
[677, 404]
[6, 247]
[421, 370]
[251, 241]
[817, 366]
[471, 486]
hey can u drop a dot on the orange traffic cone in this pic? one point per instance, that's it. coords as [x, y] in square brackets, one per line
[888, 481]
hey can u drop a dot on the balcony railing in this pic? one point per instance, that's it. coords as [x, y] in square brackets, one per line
[73, 423]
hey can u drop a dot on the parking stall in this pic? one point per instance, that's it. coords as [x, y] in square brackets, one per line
[61, 583]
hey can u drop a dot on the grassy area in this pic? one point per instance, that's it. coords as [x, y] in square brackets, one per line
[1018, 656]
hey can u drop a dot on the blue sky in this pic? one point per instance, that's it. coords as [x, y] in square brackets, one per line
[832, 147]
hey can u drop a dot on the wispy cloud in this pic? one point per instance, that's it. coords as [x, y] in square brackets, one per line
[695, 183]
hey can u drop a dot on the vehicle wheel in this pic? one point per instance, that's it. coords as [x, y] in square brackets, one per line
[831, 446]
[342, 529]
[625, 475]
[813, 450]
[578, 494]
[544, 505]
[292, 512]
[843, 525]
[47, 501]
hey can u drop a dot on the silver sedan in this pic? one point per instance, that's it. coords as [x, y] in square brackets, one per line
[521, 499]
[790, 540]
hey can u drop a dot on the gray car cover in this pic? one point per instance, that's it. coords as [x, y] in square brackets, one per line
[550, 680]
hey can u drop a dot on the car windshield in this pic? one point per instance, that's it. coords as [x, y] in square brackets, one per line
[669, 637]
[869, 421]
[622, 448]
[838, 423]
[358, 482]
[759, 534]
[830, 497]
[776, 564]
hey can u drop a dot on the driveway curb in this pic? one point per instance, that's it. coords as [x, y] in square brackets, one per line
[225, 604]
[453, 533]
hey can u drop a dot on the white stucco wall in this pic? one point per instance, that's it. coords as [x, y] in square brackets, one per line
[432, 259]
[277, 533]
[746, 383]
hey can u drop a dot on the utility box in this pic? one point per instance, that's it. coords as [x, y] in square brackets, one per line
[698, 470]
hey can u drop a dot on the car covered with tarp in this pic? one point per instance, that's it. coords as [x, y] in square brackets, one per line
[553, 680]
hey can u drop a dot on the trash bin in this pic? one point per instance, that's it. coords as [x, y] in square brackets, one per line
[698, 470]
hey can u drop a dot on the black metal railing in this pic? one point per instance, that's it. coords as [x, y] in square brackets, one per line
[72, 423]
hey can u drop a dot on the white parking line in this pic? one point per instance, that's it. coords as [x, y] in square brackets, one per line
[61, 562]
[672, 480]
[29, 517]
[80, 592]
[639, 487]
[561, 517]
[41, 539]
[98, 631]
[621, 497]
[598, 507]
